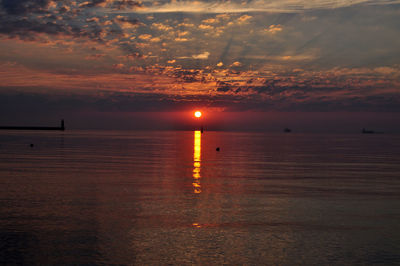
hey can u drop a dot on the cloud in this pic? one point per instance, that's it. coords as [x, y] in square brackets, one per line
[210, 21]
[119, 66]
[283, 58]
[178, 39]
[244, 19]
[273, 29]
[145, 37]
[387, 71]
[126, 22]
[63, 9]
[336, 38]
[29, 28]
[336, 89]
[113, 4]
[23, 79]
[134, 56]
[93, 3]
[223, 86]
[161, 27]
[155, 39]
[205, 27]
[201, 56]
[45, 23]
[183, 33]
[236, 64]
[19, 7]
[273, 6]
[93, 19]
[126, 4]
[186, 25]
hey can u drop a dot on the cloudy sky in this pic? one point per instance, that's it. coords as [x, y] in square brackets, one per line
[113, 61]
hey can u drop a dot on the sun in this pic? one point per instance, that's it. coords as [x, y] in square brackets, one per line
[197, 114]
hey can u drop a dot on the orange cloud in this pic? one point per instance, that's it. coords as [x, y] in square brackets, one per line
[273, 29]
[201, 56]
[119, 66]
[210, 21]
[205, 27]
[161, 27]
[155, 39]
[244, 19]
[145, 37]
[236, 64]
[181, 39]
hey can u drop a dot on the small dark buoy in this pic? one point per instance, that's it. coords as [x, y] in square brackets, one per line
[31, 145]
[217, 149]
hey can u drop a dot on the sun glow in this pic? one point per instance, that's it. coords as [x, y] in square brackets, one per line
[197, 114]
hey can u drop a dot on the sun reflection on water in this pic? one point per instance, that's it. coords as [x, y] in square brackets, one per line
[196, 162]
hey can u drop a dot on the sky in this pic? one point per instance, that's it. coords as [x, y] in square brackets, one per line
[261, 64]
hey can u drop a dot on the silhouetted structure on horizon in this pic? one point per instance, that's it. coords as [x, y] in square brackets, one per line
[62, 127]
[287, 130]
[365, 131]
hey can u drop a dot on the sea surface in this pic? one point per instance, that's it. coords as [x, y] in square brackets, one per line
[157, 198]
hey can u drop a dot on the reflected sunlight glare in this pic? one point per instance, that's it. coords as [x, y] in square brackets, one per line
[196, 162]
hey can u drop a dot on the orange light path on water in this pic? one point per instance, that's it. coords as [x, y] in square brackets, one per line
[197, 162]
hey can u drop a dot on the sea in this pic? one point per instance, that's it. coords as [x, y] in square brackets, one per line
[174, 198]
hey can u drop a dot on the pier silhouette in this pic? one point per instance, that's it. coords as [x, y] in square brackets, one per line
[61, 128]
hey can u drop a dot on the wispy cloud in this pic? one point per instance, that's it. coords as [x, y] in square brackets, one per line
[202, 56]
[273, 29]
[273, 6]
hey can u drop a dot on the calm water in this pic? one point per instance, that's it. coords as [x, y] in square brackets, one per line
[156, 198]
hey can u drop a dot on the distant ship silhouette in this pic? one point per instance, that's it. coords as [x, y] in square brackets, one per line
[365, 131]
[287, 130]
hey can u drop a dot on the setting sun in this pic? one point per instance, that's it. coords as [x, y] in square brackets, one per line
[197, 114]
